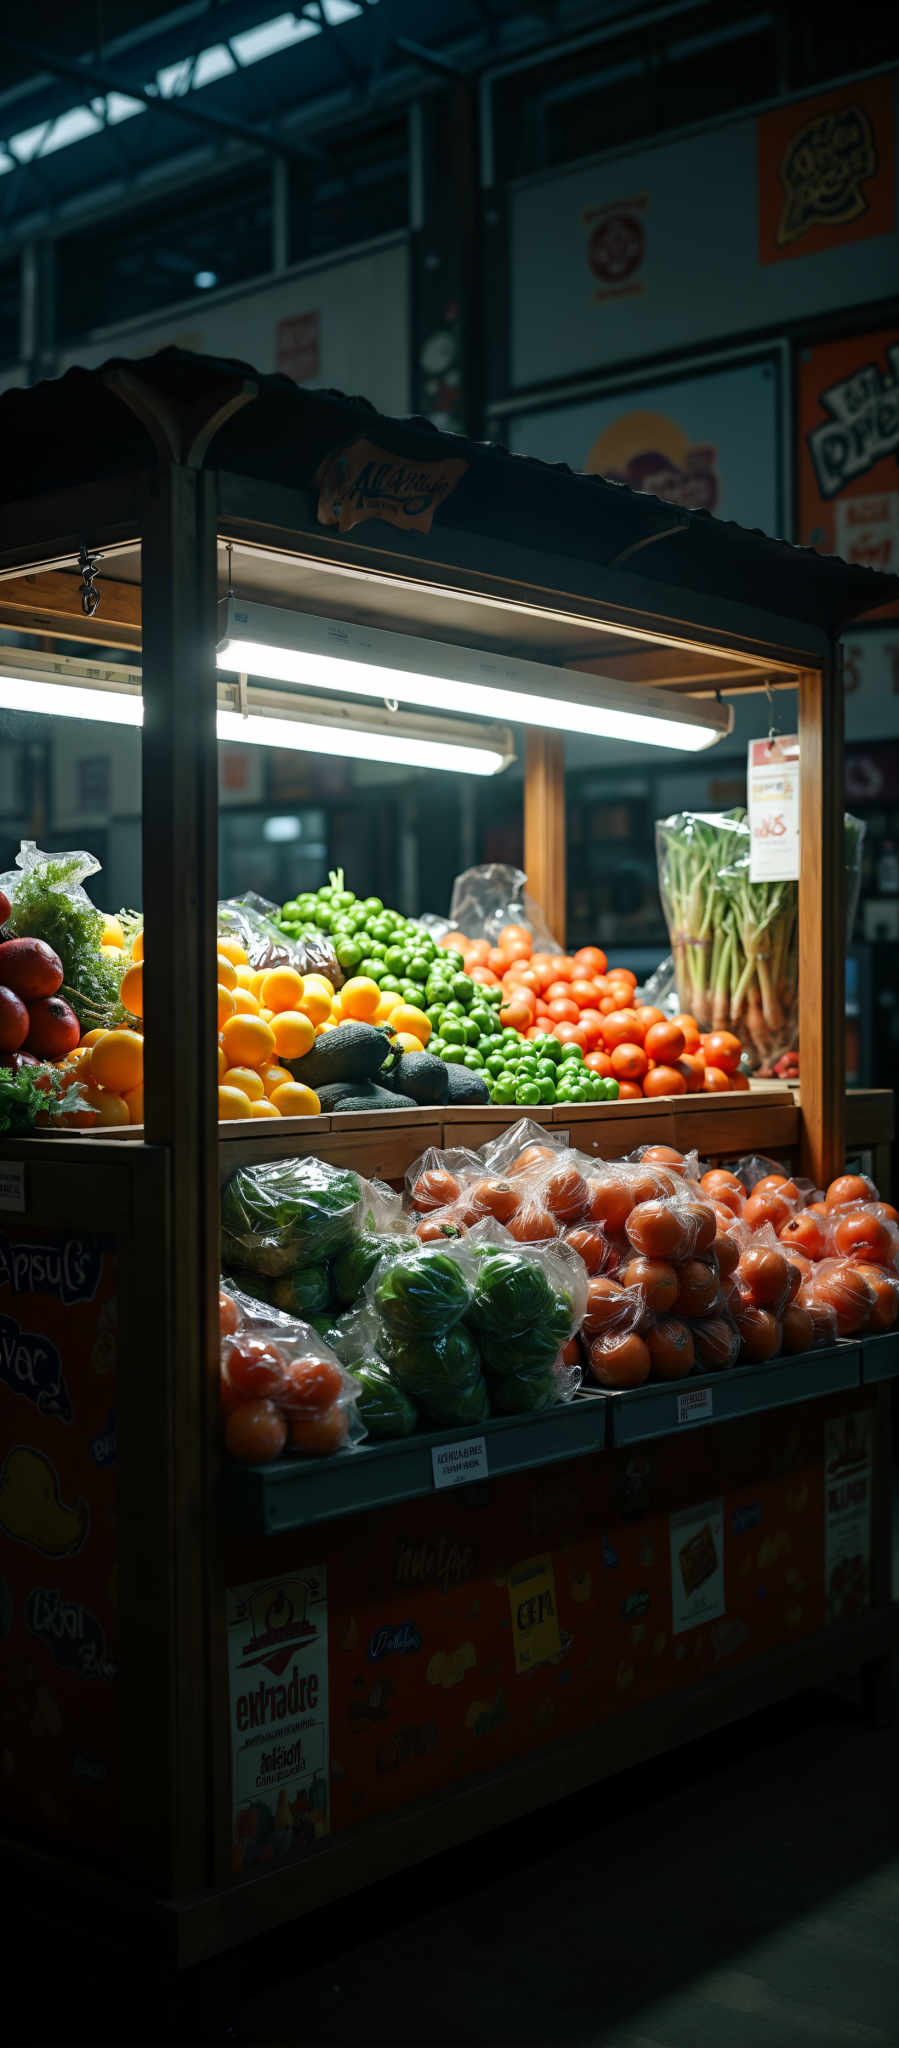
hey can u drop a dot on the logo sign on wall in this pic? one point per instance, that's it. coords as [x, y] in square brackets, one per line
[849, 449]
[709, 442]
[616, 246]
[827, 172]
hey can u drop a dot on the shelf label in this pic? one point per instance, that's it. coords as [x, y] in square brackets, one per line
[694, 1405]
[12, 1184]
[772, 784]
[535, 1613]
[456, 1464]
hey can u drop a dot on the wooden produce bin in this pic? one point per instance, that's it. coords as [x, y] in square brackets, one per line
[435, 1662]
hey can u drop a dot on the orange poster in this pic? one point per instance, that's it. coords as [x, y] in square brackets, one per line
[827, 170]
[848, 496]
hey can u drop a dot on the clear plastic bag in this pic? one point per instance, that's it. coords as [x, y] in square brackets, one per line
[282, 1387]
[486, 898]
[251, 919]
[286, 1213]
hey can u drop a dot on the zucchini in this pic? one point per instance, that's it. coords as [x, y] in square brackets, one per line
[354, 1052]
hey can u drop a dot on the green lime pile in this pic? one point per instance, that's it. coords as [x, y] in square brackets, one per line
[532, 1070]
[404, 960]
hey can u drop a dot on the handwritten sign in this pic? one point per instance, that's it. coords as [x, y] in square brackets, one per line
[772, 783]
[456, 1464]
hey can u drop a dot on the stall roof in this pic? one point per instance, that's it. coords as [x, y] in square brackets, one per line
[80, 428]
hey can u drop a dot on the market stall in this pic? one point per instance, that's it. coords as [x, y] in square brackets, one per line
[289, 1677]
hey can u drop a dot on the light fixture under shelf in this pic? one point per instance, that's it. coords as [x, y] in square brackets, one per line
[303, 650]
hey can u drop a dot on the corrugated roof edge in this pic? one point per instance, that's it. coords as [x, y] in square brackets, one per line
[58, 426]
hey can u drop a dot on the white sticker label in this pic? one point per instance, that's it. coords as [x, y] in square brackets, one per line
[12, 1184]
[694, 1405]
[564, 1137]
[772, 783]
[697, 1565]
[455, 1464]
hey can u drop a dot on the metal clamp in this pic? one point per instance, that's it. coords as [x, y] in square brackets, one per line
[90, 595]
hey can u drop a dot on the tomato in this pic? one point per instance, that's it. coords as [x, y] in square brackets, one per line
[255, 1432]
[664, 1155]
[476, 953]
[797, 1327]
[665, 1043]
[620, 1028]
[650, 1183]
[624, 974]
[570, 1353]
[312, 1385]
[484, 976]
[518, 933]
[722, 1050]
[562, 1010]
[690, 1029]
[670, 1348]
[565, 1193]
[886, 1296]
[496, 961]
[591, 959]
[320, 1435]
[717, 1344]
[438, 1227]
[571, 1034]
[516, 1013]
[590, 1246]
[727, 1252]
[648, 1015]
[657, 1282]
[591, 1023]
[765, 1276]
[724, 1187]
[716, 1081]
[532, 1157]
[559, 989]
[609, 1202]
[434, 1189]
[525, 977]
[659, 1231]
[620, 1359]
[629, 1062]
[497, 1198]
[844, 1289]
[532, 1224]
[229, 1315]
[759, 1332]
[850, 1187]
[824, 1320]
[692, 1066]
[608, 1306]
[860, 1234]
[702, 1223]
[599, 1063]
[255, 1367]
[804, 1234]
[697, 1288]
[630, 1091]
[584, 993]
[664, 1081]
[770, 1208]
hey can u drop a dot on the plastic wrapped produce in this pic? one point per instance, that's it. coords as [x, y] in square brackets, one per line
[252, 920]
[382, 1405]
[425, 1293]
[281, 1386]
[442, 1376]
[288, 1212]
[485, 899]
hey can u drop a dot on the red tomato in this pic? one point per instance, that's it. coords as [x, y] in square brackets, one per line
[727, 1253]
[593, 1023]
[770, 1208]
[692, 1066]
[690, 1029]
[584, 993]
[886, 1296]
[456, 942]
[630, 1091]
[760, 1333]
[619, 1359]
[697, 1288]
[515, 949]
[229, 1315]
[665, 1043]
[517, 933]
[739, 1084]
[797, 1327]
[659, 1231]
[608, 1306]
[434, 1189]
[664, 1081]
[648, 1015]
[629, 1062]
[717, 1344]
[255, 1432]
[497, 961]
[670, 1348]
[535, 1030]
[565, 1193]
[722, 1050]
[620, 1028]
[664, 1155]
[319, 1436]
[804, 1232]
[255, 1367]
[569, 1034]
[562, 1011]
[497, 1198]
[484, 976]
[844, 1289]
[516, 1013]
[609, 1202]
[591, 1247]
[702, 1224]
[526, 977]
[623, 974]
[598, 1062]
[859, 1234]
[590, 960]
[562, 966]
[850, 1187]
[716, 1081]
[765, 1276]
[533, 1224]
[477, 953]
[724, 1187]
[434, 1229]
[312, 1385]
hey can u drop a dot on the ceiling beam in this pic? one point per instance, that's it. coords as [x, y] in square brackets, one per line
[49, 601]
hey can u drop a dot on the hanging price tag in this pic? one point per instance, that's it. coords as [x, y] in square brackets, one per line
[772, 783]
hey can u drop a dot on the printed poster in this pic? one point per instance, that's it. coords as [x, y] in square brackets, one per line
[278, 1671]
[697, 1565]
[848, 1476]
[826, 170]
[772, 790]
[710, 442]
[849, 449]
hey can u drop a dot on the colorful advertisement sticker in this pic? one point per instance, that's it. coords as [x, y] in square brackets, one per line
[772, 791]
[616, 246]
[364, 482]
[827, 171]
[535, 1613]
[697, 1565]
[849, 449]
[280, 1752]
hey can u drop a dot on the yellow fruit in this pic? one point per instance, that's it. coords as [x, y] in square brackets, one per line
[231, 949]
[330, 1024]
[359, 998]
[132, 990]
[111, 1109]
[294, 1034]
[232, 1104]
[407, 1042]
[247, 1080]
[282, 989]
[110, 951]
[245, 977]
[226, 1005]
[258, 979]
[319, 981]
[227, 972]
[316, 1006]
[77, 1057]
[292, 1099]
[247, 1041]
[117, 1062]
[264, 1108]
[92, 1037]
[223, 1061]
[266, 1015]
[113, 934]
[275, 1077]
[386, 1008]
[245, 1003]
[137, 946]
[408, 1018]
[134, 1103]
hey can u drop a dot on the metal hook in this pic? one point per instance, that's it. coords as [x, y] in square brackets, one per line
[90, 595]
[229, 550]
[772, 729]
[391, 703]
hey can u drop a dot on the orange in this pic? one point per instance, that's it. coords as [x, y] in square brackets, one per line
[226, 1005]
[407, 1041]
[292, 1099]
[257, 981]
[266, 1015]
[223, 1061]
[282, 989]
[108, 1105]
[113, 934]
[247, 1041]
[232, 1104]
[137, 946]
[407, 1018]
[117, 1062]
[132, 990]
[386, 1008]
[319, 981]
[245, 1003]
[247, 1080]
[246, 976]
[227, 972]
[134, 1103]
[293, 1034]
[275, 1077]
[231, 949]
[264, 1108]
[316, 1006]
[359, 998]
[92, 1037]
[110, 950]
[629, 1062]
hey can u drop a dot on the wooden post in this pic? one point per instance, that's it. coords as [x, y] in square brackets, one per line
[544, 825]
[822, 924]
[180, 877]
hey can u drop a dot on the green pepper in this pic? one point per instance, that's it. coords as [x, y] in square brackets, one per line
[397, 959]
[527, 1092]
[504, 1089]
[463, 990]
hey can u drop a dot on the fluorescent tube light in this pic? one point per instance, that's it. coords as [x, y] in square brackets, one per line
[62, 687]
[331, 654]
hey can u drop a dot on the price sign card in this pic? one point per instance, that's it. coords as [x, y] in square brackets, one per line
[772, 784]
